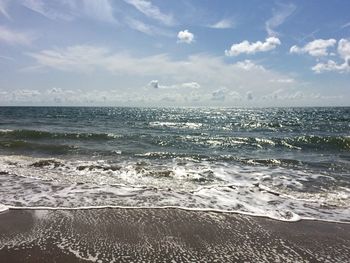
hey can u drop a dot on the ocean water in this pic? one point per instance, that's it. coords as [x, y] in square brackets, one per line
[282, 163]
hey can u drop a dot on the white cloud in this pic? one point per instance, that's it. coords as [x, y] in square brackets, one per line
[84, 58]
[248, 65]
[185, 37]
[54, 90]
[100, 10]
[140, 26]
[146, 29]
[75, 58]
[344, 48]
[190, 85]
[153, 84]
[222, 24]
[316, 48]
[296, 95]
[14, 37]
[286, 81]
[331, 65]
[3, 8]
[68, 10]
[187, 85]
[23, 95]
[224, 93]
[345, 25]
[152, 11]
[173, 77]
[279, 17]
[251, 48]
[219, 94]
[40, 7]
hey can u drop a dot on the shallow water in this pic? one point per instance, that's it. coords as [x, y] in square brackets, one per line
[285, 163]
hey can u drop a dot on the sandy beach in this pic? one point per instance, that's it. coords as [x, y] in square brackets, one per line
[153, 131]
[165, 235]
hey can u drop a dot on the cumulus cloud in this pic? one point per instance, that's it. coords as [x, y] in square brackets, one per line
[316, 48]
[185, 37]
[153, 84]
[187, 85]
[22, 95]
[28, 93]
[246, 47]
[152, 11]
[222, 24]
[287, 95]
[225, 93]
[279, 16]
[344, 48]
[54, 90]
[320, 48]
[219, 94]
[15, 37]
[331, 65]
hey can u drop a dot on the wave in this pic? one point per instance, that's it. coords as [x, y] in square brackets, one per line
[307, 142]
[37, 134]
[37, 147]
[321, 142]
[277, 193]
[311, 142]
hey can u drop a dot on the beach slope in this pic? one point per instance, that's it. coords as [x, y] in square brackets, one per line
[165, 235]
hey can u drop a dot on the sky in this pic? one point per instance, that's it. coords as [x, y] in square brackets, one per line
[174, 53]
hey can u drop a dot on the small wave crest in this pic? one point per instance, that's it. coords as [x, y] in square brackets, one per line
[37, 134]
[179, 125]
[31, 146]
[311, 142]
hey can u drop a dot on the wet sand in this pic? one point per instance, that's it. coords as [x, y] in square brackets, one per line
[165, 235]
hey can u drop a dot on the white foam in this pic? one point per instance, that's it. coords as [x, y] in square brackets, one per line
[185, 184]
[293, 218]
[5, 130]
[181, 125]
[3, 208]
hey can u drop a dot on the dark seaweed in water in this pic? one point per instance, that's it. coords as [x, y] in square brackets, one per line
[43, 163]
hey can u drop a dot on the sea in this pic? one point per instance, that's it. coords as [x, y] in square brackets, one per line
[283, 163]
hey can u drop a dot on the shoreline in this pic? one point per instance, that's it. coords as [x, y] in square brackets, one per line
[295, 217]
[157, 235]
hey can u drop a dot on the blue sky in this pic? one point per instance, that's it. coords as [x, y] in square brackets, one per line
[175, 53]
